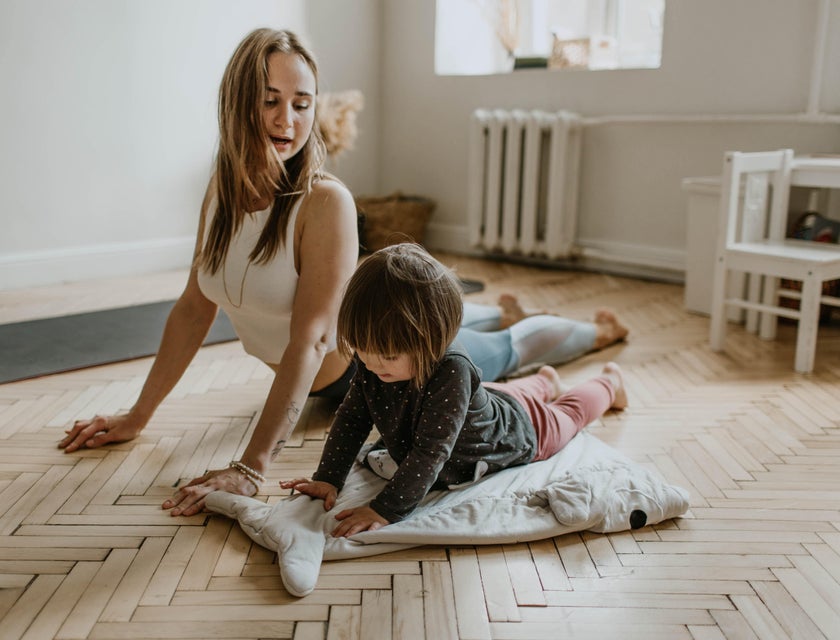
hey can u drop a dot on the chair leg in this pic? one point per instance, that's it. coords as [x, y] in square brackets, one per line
[717, 326]
[736, 287]
[767, 329]
[753, 295]
[809, 318]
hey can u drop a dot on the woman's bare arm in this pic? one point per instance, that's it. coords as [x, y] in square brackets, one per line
[328, 251]
[186, 328]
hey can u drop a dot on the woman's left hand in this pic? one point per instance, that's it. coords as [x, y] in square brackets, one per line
[189, 499]
[356, 520]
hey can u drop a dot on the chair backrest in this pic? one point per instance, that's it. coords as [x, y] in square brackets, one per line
[754, 196]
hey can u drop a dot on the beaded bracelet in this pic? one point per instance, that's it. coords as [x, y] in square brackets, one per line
[248, 471]
[254, 476]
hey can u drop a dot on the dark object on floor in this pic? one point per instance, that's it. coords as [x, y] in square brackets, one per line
[471, 286]
[54, 345]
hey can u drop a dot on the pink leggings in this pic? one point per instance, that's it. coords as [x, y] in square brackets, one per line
[557, 422]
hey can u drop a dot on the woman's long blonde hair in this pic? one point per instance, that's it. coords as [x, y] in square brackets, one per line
[247, 168]
[401, 300]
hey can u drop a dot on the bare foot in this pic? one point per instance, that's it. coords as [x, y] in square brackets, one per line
[612, 372]
[608, 329]
[512, 311]
[557, 387]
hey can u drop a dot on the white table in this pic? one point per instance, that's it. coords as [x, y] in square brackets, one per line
[815, 171]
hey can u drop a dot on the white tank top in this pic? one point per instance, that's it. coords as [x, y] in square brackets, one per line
[257, 298]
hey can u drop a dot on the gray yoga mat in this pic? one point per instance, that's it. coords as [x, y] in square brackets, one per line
[54, 345]
[66, 343]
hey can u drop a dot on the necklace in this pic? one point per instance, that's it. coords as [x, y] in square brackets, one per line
[241, 284]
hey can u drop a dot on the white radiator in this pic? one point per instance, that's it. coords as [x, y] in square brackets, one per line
[523, 181]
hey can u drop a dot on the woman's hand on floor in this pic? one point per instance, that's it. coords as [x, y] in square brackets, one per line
[100, 430]
[189, 500]
[314, 489]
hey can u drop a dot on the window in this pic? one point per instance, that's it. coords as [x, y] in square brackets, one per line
[479, 37]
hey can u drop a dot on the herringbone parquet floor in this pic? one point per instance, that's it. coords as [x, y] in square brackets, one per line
[86, 552]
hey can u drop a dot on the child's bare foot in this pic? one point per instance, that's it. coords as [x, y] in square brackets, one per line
[608, 329]
[612, 372]
[557, 387]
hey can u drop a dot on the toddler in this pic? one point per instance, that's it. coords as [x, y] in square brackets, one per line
[441, 425]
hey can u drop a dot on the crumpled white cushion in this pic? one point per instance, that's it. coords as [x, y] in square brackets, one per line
[586, 486]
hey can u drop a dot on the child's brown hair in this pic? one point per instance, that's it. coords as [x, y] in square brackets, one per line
[401, 300]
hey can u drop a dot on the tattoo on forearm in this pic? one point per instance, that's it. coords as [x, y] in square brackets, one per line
[292, 415]
[278, 447]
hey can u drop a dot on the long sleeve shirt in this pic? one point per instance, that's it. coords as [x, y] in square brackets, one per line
[436, 434]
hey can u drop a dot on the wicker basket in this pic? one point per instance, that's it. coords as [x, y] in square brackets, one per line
[392, 219]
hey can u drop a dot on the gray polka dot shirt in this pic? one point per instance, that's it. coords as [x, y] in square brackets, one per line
[436, 434]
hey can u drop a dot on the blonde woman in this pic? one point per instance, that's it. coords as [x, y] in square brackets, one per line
[277, 241]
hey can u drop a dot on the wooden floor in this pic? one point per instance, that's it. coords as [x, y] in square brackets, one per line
[86, 552]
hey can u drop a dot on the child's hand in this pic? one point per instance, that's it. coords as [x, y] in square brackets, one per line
[313, 488]
[355, 520]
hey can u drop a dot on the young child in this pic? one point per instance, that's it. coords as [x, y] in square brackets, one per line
[440, 424]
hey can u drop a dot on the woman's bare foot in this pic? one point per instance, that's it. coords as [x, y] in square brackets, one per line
[608, 329]
[612, 372]
[557, 387]
[512, 311]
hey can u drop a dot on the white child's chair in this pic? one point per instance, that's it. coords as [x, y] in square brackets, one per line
[752, 242]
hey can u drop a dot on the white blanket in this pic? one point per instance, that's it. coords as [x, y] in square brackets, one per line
[586, 486]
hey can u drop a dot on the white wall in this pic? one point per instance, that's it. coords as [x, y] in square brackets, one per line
[346, 39]
[108, 128]
[720, 58]
[107, 119]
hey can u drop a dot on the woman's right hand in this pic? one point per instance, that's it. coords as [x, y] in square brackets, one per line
[100, 430]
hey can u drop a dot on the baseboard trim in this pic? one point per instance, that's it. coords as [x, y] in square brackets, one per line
[128, 259]
[633, 259]
[618, 258]
[39, 268]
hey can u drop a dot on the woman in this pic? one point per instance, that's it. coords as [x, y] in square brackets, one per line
[277, 241]
[281, 288]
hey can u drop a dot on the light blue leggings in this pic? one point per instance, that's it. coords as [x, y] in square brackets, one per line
[536, 339]
[498, 353]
